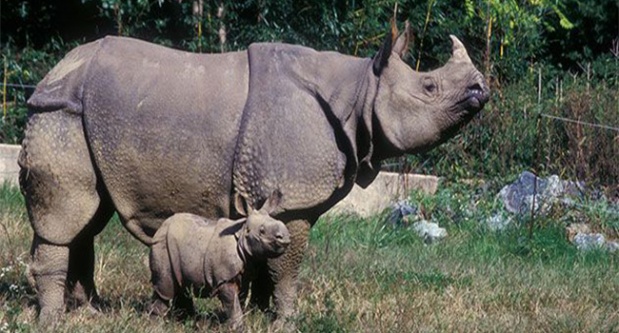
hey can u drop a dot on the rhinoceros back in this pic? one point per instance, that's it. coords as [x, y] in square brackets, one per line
[162, 125]
[62, 87]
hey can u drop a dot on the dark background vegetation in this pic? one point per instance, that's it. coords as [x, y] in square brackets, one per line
[541, 57]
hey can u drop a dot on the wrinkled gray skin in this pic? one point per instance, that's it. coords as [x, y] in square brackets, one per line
[211, 257]
[127, 126]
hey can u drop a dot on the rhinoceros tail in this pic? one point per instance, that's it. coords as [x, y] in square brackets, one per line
[62, 87]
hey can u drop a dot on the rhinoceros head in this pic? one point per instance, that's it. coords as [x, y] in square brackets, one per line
[262, 236]
[415, 111]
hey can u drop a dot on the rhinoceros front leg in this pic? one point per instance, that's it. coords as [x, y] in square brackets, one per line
[229, 296]
[283, 272]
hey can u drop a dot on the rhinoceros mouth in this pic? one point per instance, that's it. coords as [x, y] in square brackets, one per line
[475, 98]
[278, 246]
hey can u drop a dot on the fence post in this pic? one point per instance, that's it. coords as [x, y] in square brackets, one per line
[539, 85]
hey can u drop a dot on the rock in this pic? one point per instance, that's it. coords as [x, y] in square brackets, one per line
[498, 222]
[387, 188]
[586, 242]
[399, 210]
[518, 197]
[576, 228]
[429, 231]
[612, 246]
[580, 235]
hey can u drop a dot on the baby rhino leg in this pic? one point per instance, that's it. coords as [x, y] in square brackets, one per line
[162, 279]
[229, 296]
[167, 290]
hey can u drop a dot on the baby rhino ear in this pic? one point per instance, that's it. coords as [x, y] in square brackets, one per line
[272, 203]
[240, 204]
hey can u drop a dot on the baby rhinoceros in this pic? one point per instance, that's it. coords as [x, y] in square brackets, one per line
[206, 258]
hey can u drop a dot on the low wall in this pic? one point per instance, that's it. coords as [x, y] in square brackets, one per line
[387, 188]
[9, 170]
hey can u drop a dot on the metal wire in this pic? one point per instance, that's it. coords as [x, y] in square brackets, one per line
[19, 85]
[611, 128]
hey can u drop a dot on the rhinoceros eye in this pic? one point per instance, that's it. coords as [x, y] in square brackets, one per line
[262, 231]
[429, 86]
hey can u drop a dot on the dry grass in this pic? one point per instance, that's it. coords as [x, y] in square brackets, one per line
[358, 276]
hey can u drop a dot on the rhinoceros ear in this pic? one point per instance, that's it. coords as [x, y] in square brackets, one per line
[272, 203]
[240, 204]
[382, 57]
[403, 41]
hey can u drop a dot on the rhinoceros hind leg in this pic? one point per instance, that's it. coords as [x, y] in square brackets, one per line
[80, 280]
[65, 207]
[49, 269]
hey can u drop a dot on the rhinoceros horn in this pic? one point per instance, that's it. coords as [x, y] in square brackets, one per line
[458, 52]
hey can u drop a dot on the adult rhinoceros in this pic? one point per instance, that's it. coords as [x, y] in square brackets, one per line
[121, 125]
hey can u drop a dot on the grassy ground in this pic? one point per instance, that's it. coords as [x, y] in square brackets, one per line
[364, 276]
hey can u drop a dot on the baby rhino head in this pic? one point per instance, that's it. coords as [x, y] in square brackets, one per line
[263, 236]
[266, 236]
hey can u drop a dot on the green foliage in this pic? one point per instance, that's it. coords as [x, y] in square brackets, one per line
[22, 69]
[472, 281]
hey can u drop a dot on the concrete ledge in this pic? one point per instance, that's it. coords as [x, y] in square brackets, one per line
[387, 188]
[9, 170]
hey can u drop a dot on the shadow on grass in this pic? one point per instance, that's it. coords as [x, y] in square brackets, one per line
[16, 297]
[202, 319]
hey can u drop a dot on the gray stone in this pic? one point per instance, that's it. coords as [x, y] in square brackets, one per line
[612, 246]
[585, 242]
[523, 194]
[399, 210]
[498, 222]
[429, 231]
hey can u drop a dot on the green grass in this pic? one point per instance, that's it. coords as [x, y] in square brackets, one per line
[361, 275]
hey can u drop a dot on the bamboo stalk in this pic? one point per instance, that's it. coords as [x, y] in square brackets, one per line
[488, 39]
[423, 33]
[539, 86]
[6, 73]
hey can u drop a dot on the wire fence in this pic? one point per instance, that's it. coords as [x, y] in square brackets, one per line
[574, 121]
[19, 85]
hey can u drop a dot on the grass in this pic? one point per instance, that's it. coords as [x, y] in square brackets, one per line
[362, 275]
